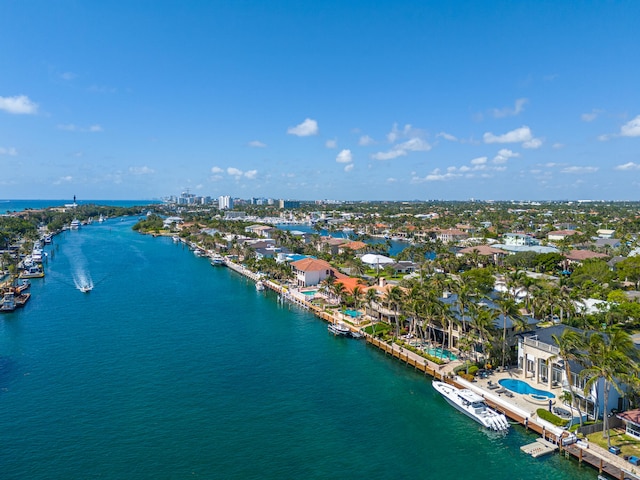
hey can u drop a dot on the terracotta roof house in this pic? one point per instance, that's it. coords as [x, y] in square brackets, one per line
[310, 271]
[353, 246]
[631, 419]
[578, 256]
[350, 283]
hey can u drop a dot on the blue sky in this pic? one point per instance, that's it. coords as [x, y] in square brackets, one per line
[352, 100]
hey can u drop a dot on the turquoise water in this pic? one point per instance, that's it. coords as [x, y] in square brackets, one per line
[19, 205]
[172, 369]
[440, 353]
[524, 388]
[311, 293]
[352, 313]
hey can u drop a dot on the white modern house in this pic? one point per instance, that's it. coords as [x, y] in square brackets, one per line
[540, 365]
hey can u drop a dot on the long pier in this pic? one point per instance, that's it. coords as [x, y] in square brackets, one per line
[548, 433]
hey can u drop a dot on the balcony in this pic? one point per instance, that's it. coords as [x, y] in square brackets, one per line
[545, 347]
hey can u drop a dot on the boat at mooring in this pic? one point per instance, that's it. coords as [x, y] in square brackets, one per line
[473, 406]
[339, 329]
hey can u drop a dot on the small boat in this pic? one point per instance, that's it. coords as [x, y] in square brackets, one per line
[473, 406]
[33, 271]
[22, 299]
[48, 239]
[8, 303]
[75, 224]
[339, 329]
[259, 285]
[357, 334]
[217, 260]
[175, 239]
[21, 287]
[101, 218]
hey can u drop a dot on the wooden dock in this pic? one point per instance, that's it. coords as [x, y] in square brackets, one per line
[549, 441]
[539, 448]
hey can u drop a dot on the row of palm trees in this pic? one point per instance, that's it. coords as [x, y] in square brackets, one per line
[607, 358]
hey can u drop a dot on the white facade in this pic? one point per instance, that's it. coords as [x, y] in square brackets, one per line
[225, 202]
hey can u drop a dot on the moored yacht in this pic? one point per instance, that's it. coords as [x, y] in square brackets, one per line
[259, 285]
[472, 405]
[339, 329]
[75, 224]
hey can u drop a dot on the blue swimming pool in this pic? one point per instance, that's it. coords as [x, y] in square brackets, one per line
[352, 313]
[518, 386]
[440, 353]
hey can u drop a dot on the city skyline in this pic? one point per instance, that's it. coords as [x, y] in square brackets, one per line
[407, 101]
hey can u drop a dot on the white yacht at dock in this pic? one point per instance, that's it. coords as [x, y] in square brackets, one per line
[472, 405]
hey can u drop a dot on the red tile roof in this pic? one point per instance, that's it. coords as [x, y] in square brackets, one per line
[311, 265]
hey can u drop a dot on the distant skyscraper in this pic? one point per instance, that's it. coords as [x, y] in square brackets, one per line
[225, 202]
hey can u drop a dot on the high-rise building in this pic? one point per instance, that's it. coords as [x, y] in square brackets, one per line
[225, 202]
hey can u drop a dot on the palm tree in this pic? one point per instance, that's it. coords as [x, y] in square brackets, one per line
[370, 297]
[483, 322]
[508, 308]
[357, 295]
[393, 297]
[569, 344]
[609, 360]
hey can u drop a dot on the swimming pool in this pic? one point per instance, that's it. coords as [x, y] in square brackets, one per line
[518, 386]
[310, 293]
[440, 353]
[352, 313]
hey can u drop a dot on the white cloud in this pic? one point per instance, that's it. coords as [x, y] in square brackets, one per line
[251, 174]
[390, 155]
[331, 143]
[479, 161]
[503, 155]
[348, 168]
[509, 112]
[533, 143]
[631, 128]
[579, 170]
[522, 134]
[447, 136]
[70, 127]
[519, 135]
[392, 180]
[400, 150]
[437, 175]
[257, 144]
[396, 133]
[65, 179]
[590, 117]
[12, 152]
[141, 170]
[366, 140]
[19, 104]
[558, 145]
[234, 172]
[307, 128]
[344, 156]
[628, 166]
[216, 170]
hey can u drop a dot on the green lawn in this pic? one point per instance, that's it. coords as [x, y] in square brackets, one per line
[628, 445]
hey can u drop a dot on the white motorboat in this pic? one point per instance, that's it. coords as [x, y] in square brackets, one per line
[339, 329]
[75, 224]
[472, 405]
[259, 285]
[217, 260]
[86, 288]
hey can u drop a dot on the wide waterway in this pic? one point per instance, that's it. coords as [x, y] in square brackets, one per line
[171, 368]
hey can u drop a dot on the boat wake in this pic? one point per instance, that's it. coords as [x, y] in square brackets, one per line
[83, 281]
